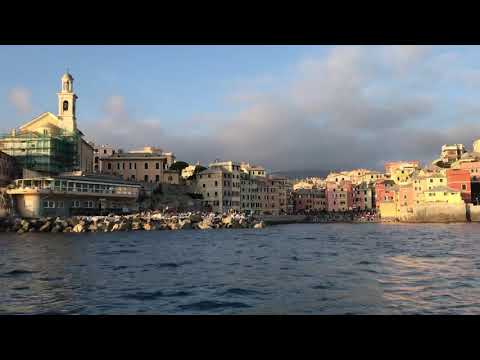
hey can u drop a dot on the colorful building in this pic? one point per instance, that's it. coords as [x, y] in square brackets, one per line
[309, 200]
[459, 180]
[363, 196]
[339, 196]
[426, 180]
[449, 155]
[385, 191]
[442, 194]
[390, 167]
[473, 167]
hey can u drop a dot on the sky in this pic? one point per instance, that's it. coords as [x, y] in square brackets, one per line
[285, 107]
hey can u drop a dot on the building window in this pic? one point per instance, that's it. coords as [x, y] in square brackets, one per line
[89, 204]
[146, 166]
[130, 166]
[118, 166]
[76, 203]
[65, 105]
[157, 178]
[464, 187]
[135, 166]
[157, 165]
[203, 185]
[49, 204]
[146, 178]
[170, 178]
[60, 205]
[133, 177]
[109, 166]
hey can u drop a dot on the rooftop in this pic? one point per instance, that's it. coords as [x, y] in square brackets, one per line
[441, 189]
[94, 179]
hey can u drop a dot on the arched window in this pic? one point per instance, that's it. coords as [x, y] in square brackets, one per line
[65, 105]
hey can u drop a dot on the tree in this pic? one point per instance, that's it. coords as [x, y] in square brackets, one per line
[179, 166]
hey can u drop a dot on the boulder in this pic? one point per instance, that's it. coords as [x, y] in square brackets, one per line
[228, 220]
[148, 227]
[173, 226]
[136, 225]
[46, 227]
[57, 228]
[25, 225]
[259, 225]
[79, 228]
[194, 218]
[185, 224]
[204, 225]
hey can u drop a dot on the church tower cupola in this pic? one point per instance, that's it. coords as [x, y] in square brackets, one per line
[66, 104]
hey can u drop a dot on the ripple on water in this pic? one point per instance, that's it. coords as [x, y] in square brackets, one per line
[324, 286]
[121, 267]
[364, 262]
[51, 278]
[19, 288]
[213, 305]
[18, 272]
[166, 265]
[144, 295]
[240, 291]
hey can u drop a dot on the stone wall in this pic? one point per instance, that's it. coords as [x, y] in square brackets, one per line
[282, 219]
[442, 213]
[172, 196]
[474, 212]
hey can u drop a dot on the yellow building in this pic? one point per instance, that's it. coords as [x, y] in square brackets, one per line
[442, 194]
[388, 209]
[426, 180]
[402, 175]
[303, 185]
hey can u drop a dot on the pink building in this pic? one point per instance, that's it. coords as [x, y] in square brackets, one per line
[309, 200]
[339, 196]
[384, 191]
[406, 196]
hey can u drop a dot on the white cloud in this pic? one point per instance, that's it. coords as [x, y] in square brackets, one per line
[344, 110]
[19, 97]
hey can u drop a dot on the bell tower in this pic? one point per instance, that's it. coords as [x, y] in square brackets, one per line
[66, 104]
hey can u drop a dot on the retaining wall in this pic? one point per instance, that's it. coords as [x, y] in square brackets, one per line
[442, 213]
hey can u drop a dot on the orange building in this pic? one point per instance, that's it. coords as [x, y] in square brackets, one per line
[459, 179]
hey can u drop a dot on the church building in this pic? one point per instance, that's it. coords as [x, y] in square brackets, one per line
[49, 143]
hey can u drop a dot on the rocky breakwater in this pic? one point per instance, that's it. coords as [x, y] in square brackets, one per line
[149, 221]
